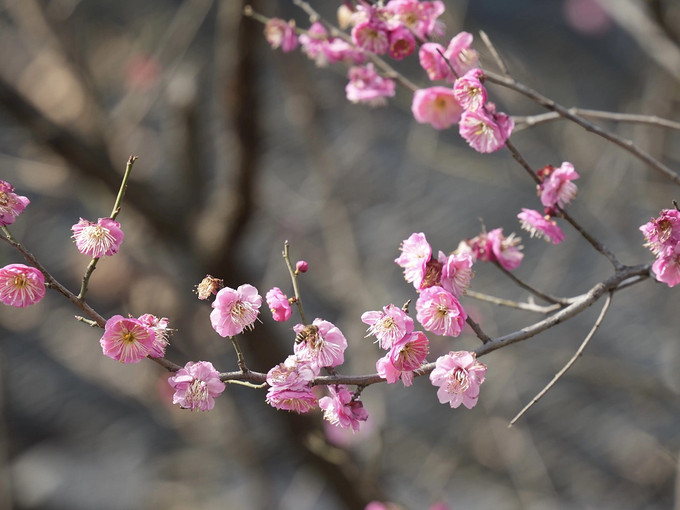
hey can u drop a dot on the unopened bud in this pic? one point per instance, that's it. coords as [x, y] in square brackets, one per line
[301, 266]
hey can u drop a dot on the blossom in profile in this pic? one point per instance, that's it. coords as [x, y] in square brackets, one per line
[278, 304]
[409, 353]
[196, 386]
[324, 346]
[483, 131]
[415, 254]
[313, 43]
[504, 250]
[540, 226]
[235, 310]
[301, 400]
[460, 55]
[368, 87]
[161, 331]
[392, 374]
[440, 312]
[388, 326]
[341, 410]
[430, 56]
[469, 90]
[458, 376]
[456, 272]
[21, 285]
[371, 36]
[436, 106]
[402, 43]
[127, 340]
[557, 188]
[281, 34]
[101, 239]
[289, 387]
[662, 234]
[11, 204]
[208, 286]
[666, 268]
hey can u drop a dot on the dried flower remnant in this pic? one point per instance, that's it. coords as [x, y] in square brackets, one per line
[208, 286]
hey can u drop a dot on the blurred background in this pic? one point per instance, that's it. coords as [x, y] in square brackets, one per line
[240, 148]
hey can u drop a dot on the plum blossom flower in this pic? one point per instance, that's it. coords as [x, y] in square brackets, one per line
[436, 106]
[419, 17]
[98, 239]
[459, 54]
[415, 254]
[663, 233]
[341, 410]
[371, 36]
[299, 400]
[432, 61]
[469, 91]
[278, 304]
[392, 374]
[410, 352]
[402, 43]
[289, 385]
[456, 272]
[313, 43]
[540, 226]
[208, 286]
[440, 312]
[196, 386]
[325, 347]
[161, 331]
[21, 286]
[388, 326]
[11, 204]
[367, 86]
[458, 376]
[556, 188]
[235, 310]
[666, 268]
[281, 34]
[483, 131]
[127, 340]
[504, 250]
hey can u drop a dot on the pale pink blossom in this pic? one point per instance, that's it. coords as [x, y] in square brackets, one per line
[235, 310]
[410, 352]
[371, 36]
[469, 90]
[325, 347]
[21, 285]
[440, 312]
[433, 62]
[663, 233]
[367, 86]
[483, 131]
[556, 188]
[196, 386]
[388, 326]
[540, 226]
[11, 204]
[402, 43]
[458, 376]
[341, 409]
[299, 400]
[293, 373]
[161, 332]
[456, 272]
[436, 106]
[504, 250]
[98, 239]
[419, 17]
[127, 340]
[459, 54]
[281, 34]
[666, 268]
[391, 374]
[339, 50]
[415, 254]
[278, 304]
[314, 42]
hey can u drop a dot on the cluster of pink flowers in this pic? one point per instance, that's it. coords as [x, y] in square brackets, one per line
[98, 239]
[11, 204]
[662, 237]
[368, 87]
[494, 246]
[130, 340]
[196, 386]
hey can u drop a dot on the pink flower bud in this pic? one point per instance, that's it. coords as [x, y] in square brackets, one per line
[301, 266]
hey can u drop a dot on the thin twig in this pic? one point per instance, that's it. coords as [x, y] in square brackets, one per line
[530, 307]
[494, 53]
[569, 364]
[293, 279]
[650, 120]
[546, 297]
[478, 330]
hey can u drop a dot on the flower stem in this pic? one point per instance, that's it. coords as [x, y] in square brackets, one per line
[240, 361]
[293, 277]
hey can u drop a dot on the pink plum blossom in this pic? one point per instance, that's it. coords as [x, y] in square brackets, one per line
[325, 347]
[540, 226]
[367, 86]
[11, 204]
[663, 233]
[504, 250]
[436, 106]
[388, 326]
[456, 272]
[459, 54]
[196, 386]
[419, 17]
[410, 352]
[127, 340]
[458, 376]
[289, 385]
[161, 331]
[440, 312]
[98, 239]
[469, 91]
[666, 268]
[402, 43]
[281, 34]
[235, 310]
[432, 61]
[392, 374]
[371, 36]
[21, 285]
[313, 43]
[278, 304]
[415, 254]
[339, 50]
[341, 410]
[299, 400]
[483, 131]
[556, 188]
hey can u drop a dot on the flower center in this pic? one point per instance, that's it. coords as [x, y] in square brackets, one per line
[197, 392]
[20, 281]
[458, 381]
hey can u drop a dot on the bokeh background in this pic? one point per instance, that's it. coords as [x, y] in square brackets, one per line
[240, 148]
